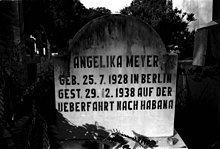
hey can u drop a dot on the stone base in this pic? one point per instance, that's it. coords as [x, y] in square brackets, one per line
[162, 143]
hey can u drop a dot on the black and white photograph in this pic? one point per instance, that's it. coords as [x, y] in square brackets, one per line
[110, 74]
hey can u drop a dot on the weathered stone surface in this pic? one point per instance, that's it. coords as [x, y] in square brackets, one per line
[118, 75]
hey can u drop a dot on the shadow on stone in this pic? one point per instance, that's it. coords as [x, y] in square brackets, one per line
[69, 131]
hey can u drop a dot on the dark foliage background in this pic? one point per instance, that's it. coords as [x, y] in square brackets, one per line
[171, 24]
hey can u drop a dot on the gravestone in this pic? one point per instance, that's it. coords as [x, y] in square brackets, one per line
[117, 74]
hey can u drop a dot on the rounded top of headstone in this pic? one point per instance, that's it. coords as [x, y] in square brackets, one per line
[113, 31]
